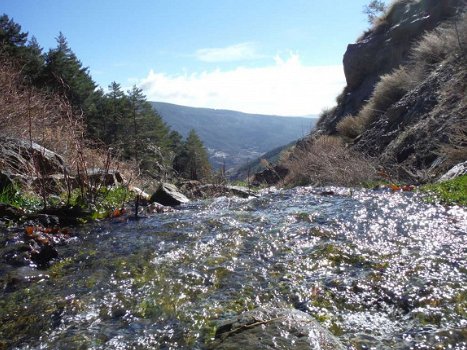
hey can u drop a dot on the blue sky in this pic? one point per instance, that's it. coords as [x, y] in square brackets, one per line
[261, 56]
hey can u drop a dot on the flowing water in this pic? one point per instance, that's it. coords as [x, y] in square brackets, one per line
[380, 270]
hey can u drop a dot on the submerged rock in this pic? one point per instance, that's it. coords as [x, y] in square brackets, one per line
[168, 194]
[274, 328]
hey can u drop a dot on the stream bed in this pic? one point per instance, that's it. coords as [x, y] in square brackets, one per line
[379, 270]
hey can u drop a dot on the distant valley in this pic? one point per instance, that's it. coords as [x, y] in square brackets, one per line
[234, 137]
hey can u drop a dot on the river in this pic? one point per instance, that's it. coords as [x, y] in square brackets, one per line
[380, 270]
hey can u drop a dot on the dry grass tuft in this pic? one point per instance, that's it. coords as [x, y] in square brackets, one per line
[326, 161]
[440, 44]
[350, 126]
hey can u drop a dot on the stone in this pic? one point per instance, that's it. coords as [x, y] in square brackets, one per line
[168, 194]
[456, 171]
[106, 177]
[24, 157]
[43, 255]
[273, 328]
[47, 220]
[271, 176]
[5, 182]
[9, 212]
[239, 191]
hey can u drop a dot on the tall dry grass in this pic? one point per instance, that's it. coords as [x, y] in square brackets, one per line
[327, 161]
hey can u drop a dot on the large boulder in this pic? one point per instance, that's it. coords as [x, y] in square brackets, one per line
[29, 164]
[168, 194]
[273, 328]
[24, 157]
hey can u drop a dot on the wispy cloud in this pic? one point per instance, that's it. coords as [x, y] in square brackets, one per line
[285, 87]
[237, 52]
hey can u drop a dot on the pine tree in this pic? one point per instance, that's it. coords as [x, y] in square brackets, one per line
[64, 73]
[34, 60]
[11, 37]
[192, 162]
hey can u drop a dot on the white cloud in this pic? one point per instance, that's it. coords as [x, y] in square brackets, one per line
[238, 52]
[286, 87]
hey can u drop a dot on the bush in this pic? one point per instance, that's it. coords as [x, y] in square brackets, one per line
[327, 161]
[439, 44]
[350, 126]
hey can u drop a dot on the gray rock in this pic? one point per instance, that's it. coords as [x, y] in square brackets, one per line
[23, 157]
[168, 194]
[10, 212]
[5, 181]
[274, 328]
[239, 191]
[106, 177]
[458, 170]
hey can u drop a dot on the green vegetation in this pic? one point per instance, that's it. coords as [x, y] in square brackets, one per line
[14, 197]
[448, 192]
[192, 161]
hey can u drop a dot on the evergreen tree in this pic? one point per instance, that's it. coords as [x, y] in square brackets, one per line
[192, 162]
[34, 60]
[11, 37]
[64, 73]
[13, 41]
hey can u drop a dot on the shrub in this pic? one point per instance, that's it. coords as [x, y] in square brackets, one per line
[325, 115]
[350, 126]
[327, 161]
[390, 89]
[439, 44]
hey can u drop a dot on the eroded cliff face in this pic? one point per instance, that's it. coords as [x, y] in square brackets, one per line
[384, 48]
[413, 130]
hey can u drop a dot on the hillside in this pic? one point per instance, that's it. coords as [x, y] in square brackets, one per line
[403, 111]
[234, 136]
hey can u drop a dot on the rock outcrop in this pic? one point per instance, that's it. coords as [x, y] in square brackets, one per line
[29, 164]
[384, 48]
[456, 171]
[274, 328]
[168, 194]
[420, 131]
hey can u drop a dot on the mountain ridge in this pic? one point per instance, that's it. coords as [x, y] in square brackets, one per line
[232, 137]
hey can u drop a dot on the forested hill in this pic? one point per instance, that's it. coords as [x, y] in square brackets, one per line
[234, 136]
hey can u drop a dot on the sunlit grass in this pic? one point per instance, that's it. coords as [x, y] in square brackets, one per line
[449, 192]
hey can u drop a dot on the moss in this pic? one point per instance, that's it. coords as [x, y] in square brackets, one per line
[449, 192]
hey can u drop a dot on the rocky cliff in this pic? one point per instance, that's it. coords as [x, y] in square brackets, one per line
[404, 105]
